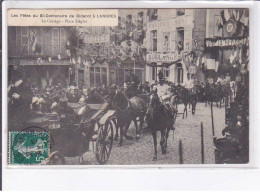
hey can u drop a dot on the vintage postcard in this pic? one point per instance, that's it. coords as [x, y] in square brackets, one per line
[142, 86]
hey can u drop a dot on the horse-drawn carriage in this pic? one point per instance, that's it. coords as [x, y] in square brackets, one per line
[73, 129]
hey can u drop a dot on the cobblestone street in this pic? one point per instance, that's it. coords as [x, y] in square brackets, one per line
[187, 131]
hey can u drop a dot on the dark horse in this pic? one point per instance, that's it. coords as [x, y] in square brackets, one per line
[187, 97]
[127, 110]
[216, 93]
[159, 119]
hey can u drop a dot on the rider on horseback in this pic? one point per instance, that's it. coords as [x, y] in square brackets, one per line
[164, 93]
[163, 90]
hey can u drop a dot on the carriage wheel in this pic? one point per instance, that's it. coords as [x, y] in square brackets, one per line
[104, 142]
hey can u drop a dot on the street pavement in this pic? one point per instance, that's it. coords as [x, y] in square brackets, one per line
[188, 131]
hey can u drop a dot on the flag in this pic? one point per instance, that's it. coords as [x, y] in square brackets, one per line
[73, 61]
[33, 40]
[240, 56]
[244, 19]
[216, 66]
[231, 58]
[222, 15]
[198, 62]
[85, 62]
[226, 14]
[203, 60]
[79, 60]
[68, 52]
[220, 23]
[35, 46]
[236, 14]
[39, 61]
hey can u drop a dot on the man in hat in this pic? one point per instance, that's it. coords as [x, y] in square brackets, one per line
[164, 93]
[72, 97]
[163, 90]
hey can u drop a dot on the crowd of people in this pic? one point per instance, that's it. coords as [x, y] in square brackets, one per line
[23, 97]
[233, 147]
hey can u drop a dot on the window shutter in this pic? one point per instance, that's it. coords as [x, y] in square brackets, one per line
[63, 41]
[187, 40]
[160, 14]
[159, 41]
[47, 42]
[18, 41]
[148, 41]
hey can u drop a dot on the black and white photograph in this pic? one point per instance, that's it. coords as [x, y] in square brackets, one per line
[162, 87]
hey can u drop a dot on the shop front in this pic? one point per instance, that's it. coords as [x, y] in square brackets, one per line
[226, 55]
[170, 64]
[44, 72]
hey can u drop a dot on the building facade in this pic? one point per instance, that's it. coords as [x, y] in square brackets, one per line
[42, 53]
[227, 42]
[112, 51]
[171, 36]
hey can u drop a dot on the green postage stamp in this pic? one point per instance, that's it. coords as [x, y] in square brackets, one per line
[28, 148]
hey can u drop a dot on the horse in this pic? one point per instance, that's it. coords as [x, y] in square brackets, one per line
[216, 93]
[159, 119]
[127, 110]
[183, 96]
[193, 98]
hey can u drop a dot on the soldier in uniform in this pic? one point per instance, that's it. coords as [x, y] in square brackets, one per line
[163, 90]
[164, 93]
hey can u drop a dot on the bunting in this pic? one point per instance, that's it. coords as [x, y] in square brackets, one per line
[35, 46]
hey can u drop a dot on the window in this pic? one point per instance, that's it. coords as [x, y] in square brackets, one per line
[58, 41]
[92, 76]
[154, 14]
[166, 73]
[25, 40]
[98, 76]
[55, 41]
[140, 20]
[166, 41]
[180, 39]
[12, 41]
[129, 19]
[180, 12]
[154, 73]
[104, 76]
[154, 40]
[179, 73]
[119, 22]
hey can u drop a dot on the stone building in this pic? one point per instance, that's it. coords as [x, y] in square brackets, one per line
[227, 42]
[172, 36]
[41, 51]
[112, 51]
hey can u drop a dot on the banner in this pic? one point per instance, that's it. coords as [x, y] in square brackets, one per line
[226, 42]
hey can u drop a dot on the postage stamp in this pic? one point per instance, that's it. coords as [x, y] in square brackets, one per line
[28, 147]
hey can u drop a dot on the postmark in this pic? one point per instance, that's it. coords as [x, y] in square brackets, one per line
[30, 146]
